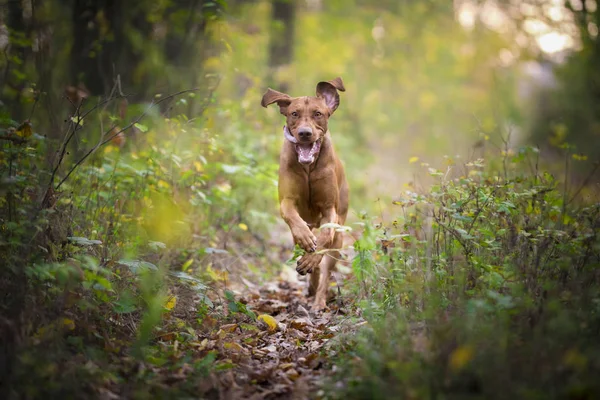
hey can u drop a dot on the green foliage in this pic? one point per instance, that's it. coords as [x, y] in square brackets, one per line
[104, 252]
[234, 306]
[494, 282]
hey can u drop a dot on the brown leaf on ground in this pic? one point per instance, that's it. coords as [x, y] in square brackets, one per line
[277, 353]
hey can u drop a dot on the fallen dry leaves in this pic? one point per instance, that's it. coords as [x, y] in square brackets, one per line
[278, 355]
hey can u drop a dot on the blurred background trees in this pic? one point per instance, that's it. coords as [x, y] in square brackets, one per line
[82, 48]
[429, 82]
[433, 70]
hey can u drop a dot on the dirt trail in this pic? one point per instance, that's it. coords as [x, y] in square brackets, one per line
[279, 358]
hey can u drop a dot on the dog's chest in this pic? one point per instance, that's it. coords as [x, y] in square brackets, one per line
[318, 194]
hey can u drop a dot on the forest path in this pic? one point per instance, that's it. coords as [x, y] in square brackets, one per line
[287, 357]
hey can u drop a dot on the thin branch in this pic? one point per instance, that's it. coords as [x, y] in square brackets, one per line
[585, 182]
[66, 141]
[75, 127]
[138, 119]
[480, 209]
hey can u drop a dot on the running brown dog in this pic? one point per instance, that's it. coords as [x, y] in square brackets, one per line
[312, 186]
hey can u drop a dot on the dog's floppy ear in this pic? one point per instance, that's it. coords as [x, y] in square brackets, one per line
[273, 96]
[329, 91]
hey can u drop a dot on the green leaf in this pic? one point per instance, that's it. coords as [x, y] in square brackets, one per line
[189, 278]
[224, 365]
[81, 241]
[142, 128]
[157, 245]
[464, 234]
[126, 304]
[138, 266]
[102, 284]
[204, 299]
[463, 218]
[229, 295]
[232, 306]
[204, 364]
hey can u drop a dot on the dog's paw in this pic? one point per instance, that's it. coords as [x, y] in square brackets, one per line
[308, 263]
[305, 239]
[319, 305]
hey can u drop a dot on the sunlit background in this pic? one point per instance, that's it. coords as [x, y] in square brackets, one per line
[430, 84]
[427, 82]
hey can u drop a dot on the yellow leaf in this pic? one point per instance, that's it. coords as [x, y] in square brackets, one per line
[579, 157]
[170, 304]
[460, 357]
[270, 321]
[24, 130]
[229, 328]
[234, 346]
[243, 226]
[187, 264]
[217, 275]
[413, 160]
[198, 166]
[573, 358]
[212, 63]
[68, 323]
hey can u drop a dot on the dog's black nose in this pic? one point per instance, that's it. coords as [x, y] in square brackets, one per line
[304, 132]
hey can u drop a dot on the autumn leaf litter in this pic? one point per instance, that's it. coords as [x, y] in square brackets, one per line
[280, 353]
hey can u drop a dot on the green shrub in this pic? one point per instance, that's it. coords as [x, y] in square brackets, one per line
[486, 286]
[97, 250]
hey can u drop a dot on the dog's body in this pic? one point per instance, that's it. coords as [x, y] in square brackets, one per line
[312, 186]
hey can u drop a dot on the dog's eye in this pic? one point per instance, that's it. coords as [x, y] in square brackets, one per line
[294, 114]
[317, 114]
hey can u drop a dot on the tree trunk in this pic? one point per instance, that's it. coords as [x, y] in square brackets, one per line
[17, 29]
[281, 49]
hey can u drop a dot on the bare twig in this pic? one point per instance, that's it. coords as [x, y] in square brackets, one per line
[131, 124]
[71, 133]
[480, 209]
[565, 189]
[585, 182]
[68, 136]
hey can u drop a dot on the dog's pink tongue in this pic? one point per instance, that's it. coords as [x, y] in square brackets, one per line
[306, 152]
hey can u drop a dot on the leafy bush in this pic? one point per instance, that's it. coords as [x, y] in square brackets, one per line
[484, 286]
[102, 249]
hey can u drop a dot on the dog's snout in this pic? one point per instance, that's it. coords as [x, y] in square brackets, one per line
[304, 132]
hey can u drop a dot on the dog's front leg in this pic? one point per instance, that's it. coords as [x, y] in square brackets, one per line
[310, 262]
[300, 231]
[326, 236]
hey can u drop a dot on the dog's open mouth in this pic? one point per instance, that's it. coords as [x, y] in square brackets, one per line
[307, 152]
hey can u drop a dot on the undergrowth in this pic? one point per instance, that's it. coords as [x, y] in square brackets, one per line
[484, 286]
[117, 240]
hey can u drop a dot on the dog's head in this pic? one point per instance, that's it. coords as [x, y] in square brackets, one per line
[306, 117]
